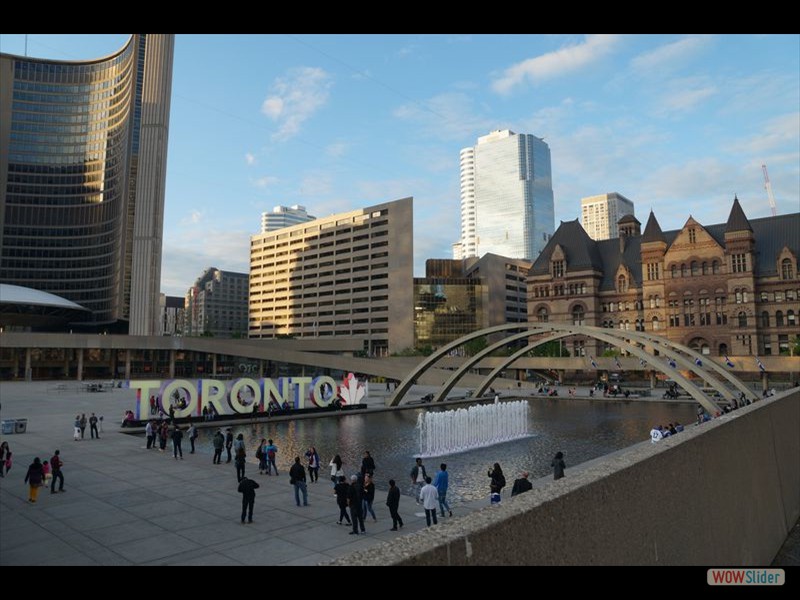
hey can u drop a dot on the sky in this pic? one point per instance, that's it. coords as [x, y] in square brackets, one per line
[677, 123]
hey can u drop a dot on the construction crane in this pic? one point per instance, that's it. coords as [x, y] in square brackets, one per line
[768, 187]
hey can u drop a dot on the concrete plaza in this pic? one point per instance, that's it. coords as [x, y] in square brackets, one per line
[125, 505]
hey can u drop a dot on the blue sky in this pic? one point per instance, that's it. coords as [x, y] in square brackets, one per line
[677, 123]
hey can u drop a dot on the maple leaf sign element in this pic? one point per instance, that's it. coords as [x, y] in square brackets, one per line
[351, 391]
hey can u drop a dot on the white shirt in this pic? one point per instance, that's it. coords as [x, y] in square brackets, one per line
[656, 435]
[429, 496]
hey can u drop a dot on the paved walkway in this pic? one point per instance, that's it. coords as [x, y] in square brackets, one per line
[125, 505]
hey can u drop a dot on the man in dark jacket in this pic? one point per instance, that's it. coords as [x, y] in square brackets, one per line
[418, 476]
[393, 502]
[247, 487]
[521, 485]
[177, 437]
[367, 465]
[342, 490]
[219, 442]
[228, 443]
[354, 500]
[93, 427]
[56, 465]
[297, 477]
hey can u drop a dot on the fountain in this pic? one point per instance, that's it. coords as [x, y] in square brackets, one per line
[453, 431]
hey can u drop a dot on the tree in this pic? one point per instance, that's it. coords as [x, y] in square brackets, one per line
[472, 347]
[551, 348]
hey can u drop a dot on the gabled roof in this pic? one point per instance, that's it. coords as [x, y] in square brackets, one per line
[628, 219]
[737, 221]
[581, 250]
[652, 231]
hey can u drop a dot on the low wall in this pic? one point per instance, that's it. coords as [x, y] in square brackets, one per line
[724, 493]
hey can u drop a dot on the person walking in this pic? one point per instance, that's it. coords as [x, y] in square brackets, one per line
[93, 427]
[272, 453]
[368, 497]
[313, 464]
[34, 478]
[82, 424]
[261, 455]
[177, 437]
[76, 432]
[498, 480]
[247, 488]
[558, 465]
[418, 476]
[521, 485]
[9, 461]
[297, 477]
[440, 483]
[218, 442]
[240, 455]
[354, 501]
[163, 435]
[56, 464]
[336, 469]
[367, 465]
[393, 502]
[228, 443]
[341, 491]
[193, 435]
[429, 497]
[4, 449]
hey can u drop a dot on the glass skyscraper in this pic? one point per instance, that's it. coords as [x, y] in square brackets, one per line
[506, 196]
[83, 149]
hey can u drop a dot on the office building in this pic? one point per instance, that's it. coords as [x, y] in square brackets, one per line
[346, 275]
[83, 152]
[600, 214]
[284, 216]
[506, 196]
[216, 305]
[172, 314]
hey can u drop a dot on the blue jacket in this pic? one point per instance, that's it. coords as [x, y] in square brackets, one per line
[441, 482]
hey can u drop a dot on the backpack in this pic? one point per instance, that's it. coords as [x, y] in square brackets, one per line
[259, 452]
[271, 454]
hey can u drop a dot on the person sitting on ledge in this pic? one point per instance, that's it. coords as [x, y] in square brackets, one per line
[521, 485]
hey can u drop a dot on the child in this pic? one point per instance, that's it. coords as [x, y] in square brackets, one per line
[45, 471]
[8, 461]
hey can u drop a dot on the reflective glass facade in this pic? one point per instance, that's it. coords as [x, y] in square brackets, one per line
[70, 146]
[446, 309]
[506, 182]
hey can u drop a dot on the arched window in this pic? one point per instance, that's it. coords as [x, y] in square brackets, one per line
[695, 272]
[742, 319]
[790, 320]
[684, 270]
[674, 271]
[786, 269]
[723, 349]
[715, 269]
[655, 324]
[578, 314]
[705, 268]
[542, 315]
[765, 319]
[622, 284]
[779, 319]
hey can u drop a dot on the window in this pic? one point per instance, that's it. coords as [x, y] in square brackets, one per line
[674, 272]
[558, 268]
[692, 236]
[652, 271]
[742, 319]
[786, 269]
[790, 320]
[655, 323]
[705, 268]
[578, 315]
[622, 284]
[766, 345]
[739, 263]
[695, 272]
[783, 344]
[715, 267]
[684, 270]
[542, 315]
[765, 319]
[779, 319]
[723, 349]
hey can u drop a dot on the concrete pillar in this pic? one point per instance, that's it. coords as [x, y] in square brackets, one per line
[214, 365]
[260, 368]
[172, 364]
[67, 354]
[653, 380]
[113, 364]
[79, 375]
[127, 364]
[28, 370]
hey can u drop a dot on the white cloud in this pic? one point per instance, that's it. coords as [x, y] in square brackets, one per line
[777, 133]
[449, 116]
[250, 159]
[194, 217]
[337, 149]
[314, 185]
[670, 56]
[295, 98]
[684, 94]
[554, 64]
[265, 181]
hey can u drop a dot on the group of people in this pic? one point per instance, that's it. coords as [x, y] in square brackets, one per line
[79, 428]
[659, 432]
[159, 432]
[39, 473]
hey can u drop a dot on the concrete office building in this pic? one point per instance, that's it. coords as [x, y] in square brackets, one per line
[345, 275]
[457, 297]
[172, 314]
[506, 196]
[284, 216]
[83, 151]
[600, 214]
[216, 305]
